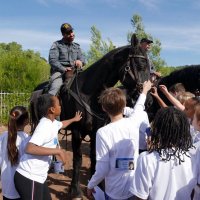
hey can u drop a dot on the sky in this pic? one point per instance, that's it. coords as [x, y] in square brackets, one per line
[35, 24]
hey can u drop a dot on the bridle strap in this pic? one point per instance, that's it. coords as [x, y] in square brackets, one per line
[133, 73]
[139, 56]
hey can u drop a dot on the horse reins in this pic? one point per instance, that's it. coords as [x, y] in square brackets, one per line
[78, 98]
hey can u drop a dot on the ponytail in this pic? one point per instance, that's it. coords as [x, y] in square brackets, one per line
[18, 117]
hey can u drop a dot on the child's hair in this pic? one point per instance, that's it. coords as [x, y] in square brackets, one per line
[170, 134]
[43, 103]
[177, 88]
[190, 106]
[113, 101]
[18, 117]
[183, 96]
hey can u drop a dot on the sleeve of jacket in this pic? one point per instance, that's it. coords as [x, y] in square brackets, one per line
[54, 58]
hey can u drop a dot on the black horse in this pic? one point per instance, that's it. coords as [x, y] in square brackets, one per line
[189, 76]
[127, 64]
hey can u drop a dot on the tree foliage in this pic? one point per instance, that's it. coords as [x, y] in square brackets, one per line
[21, 70]
[98, 47]
[139, 29]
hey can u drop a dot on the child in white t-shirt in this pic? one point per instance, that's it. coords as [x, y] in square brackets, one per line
[196, 126]
[117, 144]
[196, 123]
[167, 171]
[31, 174]
[12, 146]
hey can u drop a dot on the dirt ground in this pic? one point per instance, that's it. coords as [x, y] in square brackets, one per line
[59, 183]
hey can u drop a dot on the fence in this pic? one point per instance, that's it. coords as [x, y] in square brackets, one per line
[9, 100]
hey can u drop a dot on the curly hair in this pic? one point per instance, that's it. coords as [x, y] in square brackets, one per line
[170, 134]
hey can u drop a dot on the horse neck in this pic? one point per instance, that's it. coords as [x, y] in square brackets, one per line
[105, 72]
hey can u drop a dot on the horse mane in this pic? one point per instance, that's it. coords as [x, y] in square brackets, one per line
[103, 69]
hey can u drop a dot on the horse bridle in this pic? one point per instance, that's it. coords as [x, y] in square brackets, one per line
[131, 69]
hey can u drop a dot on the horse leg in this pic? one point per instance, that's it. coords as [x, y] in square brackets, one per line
[75, 189]
[92, 153]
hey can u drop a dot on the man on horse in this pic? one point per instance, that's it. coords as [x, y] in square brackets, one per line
[145, 45]
[64, 55]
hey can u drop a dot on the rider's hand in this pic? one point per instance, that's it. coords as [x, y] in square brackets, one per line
[68, 69]
[78, 63]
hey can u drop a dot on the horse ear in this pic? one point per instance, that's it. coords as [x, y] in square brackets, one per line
[134, 40]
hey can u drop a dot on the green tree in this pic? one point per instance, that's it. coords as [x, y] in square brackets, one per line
[21, 70]
[139, 29]
[98, 47]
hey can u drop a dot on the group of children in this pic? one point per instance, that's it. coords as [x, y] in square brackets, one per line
[25, 159]
[137, 160]
[168, 169]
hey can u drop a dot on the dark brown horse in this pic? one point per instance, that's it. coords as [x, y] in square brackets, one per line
[127, 64]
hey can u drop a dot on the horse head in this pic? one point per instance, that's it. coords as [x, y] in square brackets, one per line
[136, 69]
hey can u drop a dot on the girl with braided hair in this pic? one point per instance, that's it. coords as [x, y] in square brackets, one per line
[167, 171]
[12, 147]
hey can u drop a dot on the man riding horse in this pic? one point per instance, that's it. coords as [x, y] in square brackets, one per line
[64, 55]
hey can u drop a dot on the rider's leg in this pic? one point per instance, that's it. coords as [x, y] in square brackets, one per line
[55, 83]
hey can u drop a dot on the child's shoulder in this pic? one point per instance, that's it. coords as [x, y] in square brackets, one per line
[45, 121]
[3, 135]
[105, 129]
[23, 134]
[149, 156]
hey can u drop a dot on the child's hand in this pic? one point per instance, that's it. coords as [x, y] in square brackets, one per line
[163, 88]
[78, 116]
[146, 86]
[89, 193]
[154, 91]
[61, 156]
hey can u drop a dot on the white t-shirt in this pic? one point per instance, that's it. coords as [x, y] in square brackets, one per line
[8, 171]
[143, 126]
[46, 135]
[160, 180]
[195, 134]
[117, 147]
